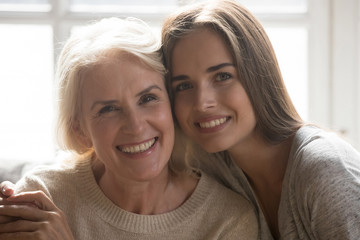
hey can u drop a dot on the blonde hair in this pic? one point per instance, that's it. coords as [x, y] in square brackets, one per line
[257, 66]
[82, 51]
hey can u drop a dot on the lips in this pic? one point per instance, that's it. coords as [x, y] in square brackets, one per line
[138, 148]
[212, 123]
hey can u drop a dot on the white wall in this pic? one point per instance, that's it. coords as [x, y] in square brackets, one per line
[334, 82]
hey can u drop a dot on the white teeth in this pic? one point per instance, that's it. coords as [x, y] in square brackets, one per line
[138, 148]
[212, 123]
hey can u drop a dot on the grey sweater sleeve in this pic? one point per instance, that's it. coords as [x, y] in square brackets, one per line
[328, 189]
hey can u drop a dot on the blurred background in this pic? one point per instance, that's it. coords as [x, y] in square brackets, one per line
[317, 43]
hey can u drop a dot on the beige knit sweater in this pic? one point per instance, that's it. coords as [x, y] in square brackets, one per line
[212, 211]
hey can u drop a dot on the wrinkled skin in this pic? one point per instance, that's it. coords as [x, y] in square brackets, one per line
[30, 215]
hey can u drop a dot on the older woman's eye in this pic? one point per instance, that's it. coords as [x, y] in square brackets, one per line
[182, 86]
[147, 98]
[222, 76]
[106, 109]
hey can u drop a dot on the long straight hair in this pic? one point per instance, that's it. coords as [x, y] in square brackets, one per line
[251, 49]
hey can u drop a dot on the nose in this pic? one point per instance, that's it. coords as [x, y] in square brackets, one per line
[205, 98]
[134, 123]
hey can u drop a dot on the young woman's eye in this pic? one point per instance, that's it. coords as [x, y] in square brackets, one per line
[147, 98]
[222, 76]
[182, 86]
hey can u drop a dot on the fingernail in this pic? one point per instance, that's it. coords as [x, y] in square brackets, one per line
[5, 189]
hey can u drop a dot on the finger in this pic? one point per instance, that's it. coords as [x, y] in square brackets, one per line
[23, 211]
[4, 201]
[38, 230]
[6, 219]
[36, 235]
[21, 236]
[53, 227]
[21, 225]
[7, 188]
[39, 198]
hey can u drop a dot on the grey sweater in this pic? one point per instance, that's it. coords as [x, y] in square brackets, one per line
[321, 189]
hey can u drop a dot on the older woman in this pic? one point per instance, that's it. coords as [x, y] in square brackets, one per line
[115, 117]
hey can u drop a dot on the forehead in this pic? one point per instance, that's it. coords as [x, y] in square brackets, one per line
[202, 47]
[123, 67]
[122, 75]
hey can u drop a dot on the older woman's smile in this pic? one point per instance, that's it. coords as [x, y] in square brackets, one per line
[138, 148]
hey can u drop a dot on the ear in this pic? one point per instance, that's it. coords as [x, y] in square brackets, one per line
[81, 135]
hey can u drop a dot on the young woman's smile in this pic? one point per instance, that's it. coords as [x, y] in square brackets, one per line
[212, 124]
[210, 103]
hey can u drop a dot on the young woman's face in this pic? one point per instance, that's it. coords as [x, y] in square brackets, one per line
[127, 118]
[210, 103]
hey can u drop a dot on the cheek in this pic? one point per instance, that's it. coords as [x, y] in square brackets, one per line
[237, 96]
[164, 118]
[162, 121]
[181, 109]
[102, 130]
[243, 107]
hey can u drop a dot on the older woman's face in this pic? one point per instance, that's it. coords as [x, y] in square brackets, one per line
[127, 118]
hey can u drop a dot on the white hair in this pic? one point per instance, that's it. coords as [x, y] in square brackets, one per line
[88, 47]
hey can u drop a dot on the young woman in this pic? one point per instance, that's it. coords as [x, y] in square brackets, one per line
[230, 99]
[122, 183]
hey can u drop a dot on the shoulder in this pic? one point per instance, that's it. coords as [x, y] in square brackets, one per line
[319, 156]
[322, 161]
[322, 182]
[49, 179]
[317, 142]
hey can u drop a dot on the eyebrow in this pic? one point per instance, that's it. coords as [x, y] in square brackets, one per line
[106, 102]
[217, 67]
[209, 70]
[148, 89]
[102, 103]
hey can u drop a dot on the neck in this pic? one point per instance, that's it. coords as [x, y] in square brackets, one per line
[262, 162]
[264, 165]
[159, 195]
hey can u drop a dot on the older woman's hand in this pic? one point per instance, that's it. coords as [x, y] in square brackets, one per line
[32, 215]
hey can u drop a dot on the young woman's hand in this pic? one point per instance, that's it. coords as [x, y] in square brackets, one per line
[5, 219]
[6, 189]
[32, 215]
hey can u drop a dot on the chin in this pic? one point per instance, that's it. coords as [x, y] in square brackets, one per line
[213, 148]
